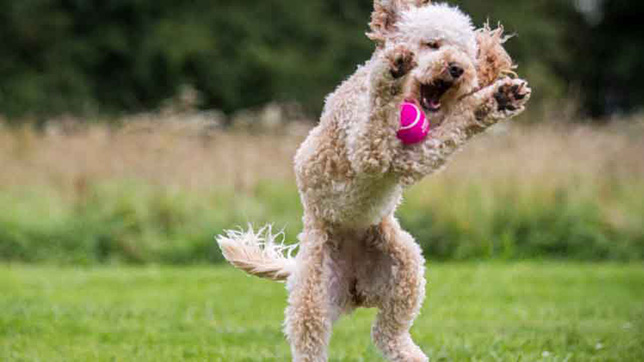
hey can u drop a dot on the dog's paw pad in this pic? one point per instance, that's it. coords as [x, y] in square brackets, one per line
[512, 95]
[401, 61]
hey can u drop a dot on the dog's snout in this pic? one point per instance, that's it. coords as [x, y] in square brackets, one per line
[455, 70]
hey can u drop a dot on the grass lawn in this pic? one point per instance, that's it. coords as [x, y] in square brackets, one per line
[484, 312]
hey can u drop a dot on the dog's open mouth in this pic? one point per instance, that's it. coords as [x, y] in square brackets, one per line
[430, 94]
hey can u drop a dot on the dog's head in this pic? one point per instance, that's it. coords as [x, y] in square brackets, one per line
[444, 42]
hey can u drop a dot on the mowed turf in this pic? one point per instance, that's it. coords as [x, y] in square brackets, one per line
[473, 312]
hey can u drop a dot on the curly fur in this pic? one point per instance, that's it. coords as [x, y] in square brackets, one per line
[258, 253]
[492, 59]
[351, 172]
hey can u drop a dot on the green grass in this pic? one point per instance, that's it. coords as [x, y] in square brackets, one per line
[485, 312]
[139, 223]
[150, 193]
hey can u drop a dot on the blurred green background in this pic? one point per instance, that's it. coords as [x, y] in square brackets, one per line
[115, 56]
[124, 123]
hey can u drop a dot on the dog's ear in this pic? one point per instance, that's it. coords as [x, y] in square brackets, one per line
[385, 16]
[493, 61]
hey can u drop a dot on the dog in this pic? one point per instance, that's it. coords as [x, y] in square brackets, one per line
[352, 169]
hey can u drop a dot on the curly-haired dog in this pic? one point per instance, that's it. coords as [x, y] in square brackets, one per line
[351, 172]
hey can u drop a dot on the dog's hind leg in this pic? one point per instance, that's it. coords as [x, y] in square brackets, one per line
[401, 280]
[309, 314]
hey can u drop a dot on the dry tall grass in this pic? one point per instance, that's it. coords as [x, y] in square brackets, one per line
[518, 191]
[172, 154]
[158, 153]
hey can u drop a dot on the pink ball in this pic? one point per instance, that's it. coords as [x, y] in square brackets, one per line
[414, 126]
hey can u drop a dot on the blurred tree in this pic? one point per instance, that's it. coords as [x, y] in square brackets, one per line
[615, 55]
[546, 39]
[37, 64]
[84, 56]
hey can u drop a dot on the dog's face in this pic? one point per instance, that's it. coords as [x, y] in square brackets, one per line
[443, 40]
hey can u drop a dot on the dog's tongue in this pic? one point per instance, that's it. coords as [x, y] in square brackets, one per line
[435, 104]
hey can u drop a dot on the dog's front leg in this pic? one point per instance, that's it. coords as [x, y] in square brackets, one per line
[373, 137]
[502, 100]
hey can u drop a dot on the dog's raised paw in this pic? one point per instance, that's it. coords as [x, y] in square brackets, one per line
[401, 61]
[512, 95]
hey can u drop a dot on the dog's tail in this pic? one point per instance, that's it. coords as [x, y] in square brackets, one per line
[260, 253]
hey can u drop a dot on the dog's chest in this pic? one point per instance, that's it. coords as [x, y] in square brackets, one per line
[354, 203]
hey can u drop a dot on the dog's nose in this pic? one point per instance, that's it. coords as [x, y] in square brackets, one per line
[455, 70]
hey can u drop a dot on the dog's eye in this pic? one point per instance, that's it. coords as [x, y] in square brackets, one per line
[431, 45]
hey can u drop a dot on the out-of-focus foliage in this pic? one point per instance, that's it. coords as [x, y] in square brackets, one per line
[159, 195]
[66, 55]
[61, 56]
[613, 79]
[140, 224]
[545, 42]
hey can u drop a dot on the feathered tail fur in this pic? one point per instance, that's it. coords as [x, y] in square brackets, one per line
[260, 253]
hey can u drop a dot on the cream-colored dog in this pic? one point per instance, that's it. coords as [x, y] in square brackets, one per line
[352, 170]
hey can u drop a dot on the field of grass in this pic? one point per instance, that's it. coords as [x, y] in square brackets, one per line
[473, 312]
[157, 192]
